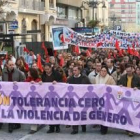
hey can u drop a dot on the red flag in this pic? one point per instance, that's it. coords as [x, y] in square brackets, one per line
[61, 63]
[76, 49]
[99, 44]
[39, 63]
[55, 53]
[136, 53]
[128, 50]
[117, 45]
[26, 66]
[47, 59]
[25, 49]
[90, 50]
[123, 51]
[88, 53]
[44, 48]
[120, 53]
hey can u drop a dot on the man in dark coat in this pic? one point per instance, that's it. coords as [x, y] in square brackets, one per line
[132, 81]
[78, 78]
[12, 74]
[50, 75]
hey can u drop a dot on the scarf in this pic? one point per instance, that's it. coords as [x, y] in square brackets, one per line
[102, 80]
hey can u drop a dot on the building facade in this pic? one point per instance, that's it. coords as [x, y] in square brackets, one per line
[126, 14]
[138, 12]
[32, 16]
[69, 13]
[96, 12]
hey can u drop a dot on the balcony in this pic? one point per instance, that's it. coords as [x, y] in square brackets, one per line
[76, 3]
[31, 6]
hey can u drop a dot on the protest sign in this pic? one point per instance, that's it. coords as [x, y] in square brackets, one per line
[68, 104]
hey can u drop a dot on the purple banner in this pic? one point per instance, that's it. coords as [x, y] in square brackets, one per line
[67, 104]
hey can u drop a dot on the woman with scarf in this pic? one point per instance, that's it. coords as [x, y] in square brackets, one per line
[104, 78]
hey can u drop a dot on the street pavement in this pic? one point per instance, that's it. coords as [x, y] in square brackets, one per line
[91, 134]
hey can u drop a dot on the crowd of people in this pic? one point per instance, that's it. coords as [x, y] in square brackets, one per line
[102, 66]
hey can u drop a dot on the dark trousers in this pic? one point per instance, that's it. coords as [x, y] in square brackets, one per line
[54, 127]
[1, 125]
[103, 129]
[11, 125]
[75, 127]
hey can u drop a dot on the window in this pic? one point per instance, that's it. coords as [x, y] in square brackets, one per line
[80, 14]
[123, 11]
[51, 3]
[122, 6]
[72, 13]
[61, 10]
[138, 7]
[111, 5]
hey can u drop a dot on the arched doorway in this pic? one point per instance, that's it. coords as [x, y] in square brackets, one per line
[34, 27]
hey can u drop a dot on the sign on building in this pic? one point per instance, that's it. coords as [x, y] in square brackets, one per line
[118, 27]
[13, 25]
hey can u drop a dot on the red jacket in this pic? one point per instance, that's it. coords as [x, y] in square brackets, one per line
[29, 79]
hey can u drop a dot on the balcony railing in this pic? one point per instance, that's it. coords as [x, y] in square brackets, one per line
[32, 5]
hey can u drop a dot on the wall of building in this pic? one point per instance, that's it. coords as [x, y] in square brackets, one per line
[76, 3]
[100, 13]
[138, 13]
[127, 12]
[29, 19]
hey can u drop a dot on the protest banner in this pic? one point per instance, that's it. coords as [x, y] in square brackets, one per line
[58, 39]
[103, 40]
[112, 106]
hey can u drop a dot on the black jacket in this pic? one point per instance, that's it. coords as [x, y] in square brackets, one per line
[82, 80]
[55, 76]
[135, 81]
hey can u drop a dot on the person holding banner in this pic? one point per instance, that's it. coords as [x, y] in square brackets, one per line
[104, 78]
[50, 75]
[12, 74]
[130, 80]
[78, 78]
[33, 77]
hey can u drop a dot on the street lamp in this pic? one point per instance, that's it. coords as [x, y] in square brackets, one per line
[94, 4]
